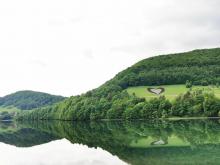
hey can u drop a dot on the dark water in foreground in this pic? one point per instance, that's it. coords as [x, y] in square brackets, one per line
[137, 143]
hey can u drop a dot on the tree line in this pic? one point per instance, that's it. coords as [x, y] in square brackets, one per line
[123, 106]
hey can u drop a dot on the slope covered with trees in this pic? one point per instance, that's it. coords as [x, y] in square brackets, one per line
[112, 101]
[199, 66]
[27, 100]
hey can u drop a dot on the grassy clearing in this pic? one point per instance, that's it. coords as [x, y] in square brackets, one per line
[9, 109]
[147, 142]
[171, 91]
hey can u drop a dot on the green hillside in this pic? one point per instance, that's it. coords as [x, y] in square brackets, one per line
[112, 101]
[27, 100]
[171, 91]
[13, 104]
[200, 66]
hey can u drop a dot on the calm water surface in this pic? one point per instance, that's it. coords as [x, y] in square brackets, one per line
[181, 142]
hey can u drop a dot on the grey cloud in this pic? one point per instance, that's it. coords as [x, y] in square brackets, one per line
[181, 26]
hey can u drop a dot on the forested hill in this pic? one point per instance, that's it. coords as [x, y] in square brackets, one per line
[111, 100]
[27, 100]
[202, 67]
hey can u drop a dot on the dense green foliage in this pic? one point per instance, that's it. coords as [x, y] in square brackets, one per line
[123, 106]
[111, 100]
[188, 84]
[6, 116]
[27, 100]
[8, 113]
[201, 67]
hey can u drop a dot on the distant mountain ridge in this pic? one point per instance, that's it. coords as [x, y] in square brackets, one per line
[27, 99]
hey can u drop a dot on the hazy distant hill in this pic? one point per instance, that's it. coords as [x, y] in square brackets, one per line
[27, 100]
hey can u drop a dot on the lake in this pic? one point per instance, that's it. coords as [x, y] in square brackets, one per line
[160, 142]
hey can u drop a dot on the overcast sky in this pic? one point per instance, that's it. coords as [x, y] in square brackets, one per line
[67, 47]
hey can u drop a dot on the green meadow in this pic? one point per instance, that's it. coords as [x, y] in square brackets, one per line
[171, 91]
[170, 142]
[9, 109]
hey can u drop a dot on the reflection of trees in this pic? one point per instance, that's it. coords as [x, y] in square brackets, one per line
[194, 132]
[13, 134]
[116, 137]
[197, 132]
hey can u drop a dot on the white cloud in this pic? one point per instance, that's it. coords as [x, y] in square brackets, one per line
[72, 154]
[68, 47]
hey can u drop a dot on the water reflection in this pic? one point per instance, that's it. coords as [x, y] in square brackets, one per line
[137, 143]
[58, 152]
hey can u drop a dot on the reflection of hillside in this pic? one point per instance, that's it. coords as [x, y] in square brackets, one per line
[19, 136]
[186, 142]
